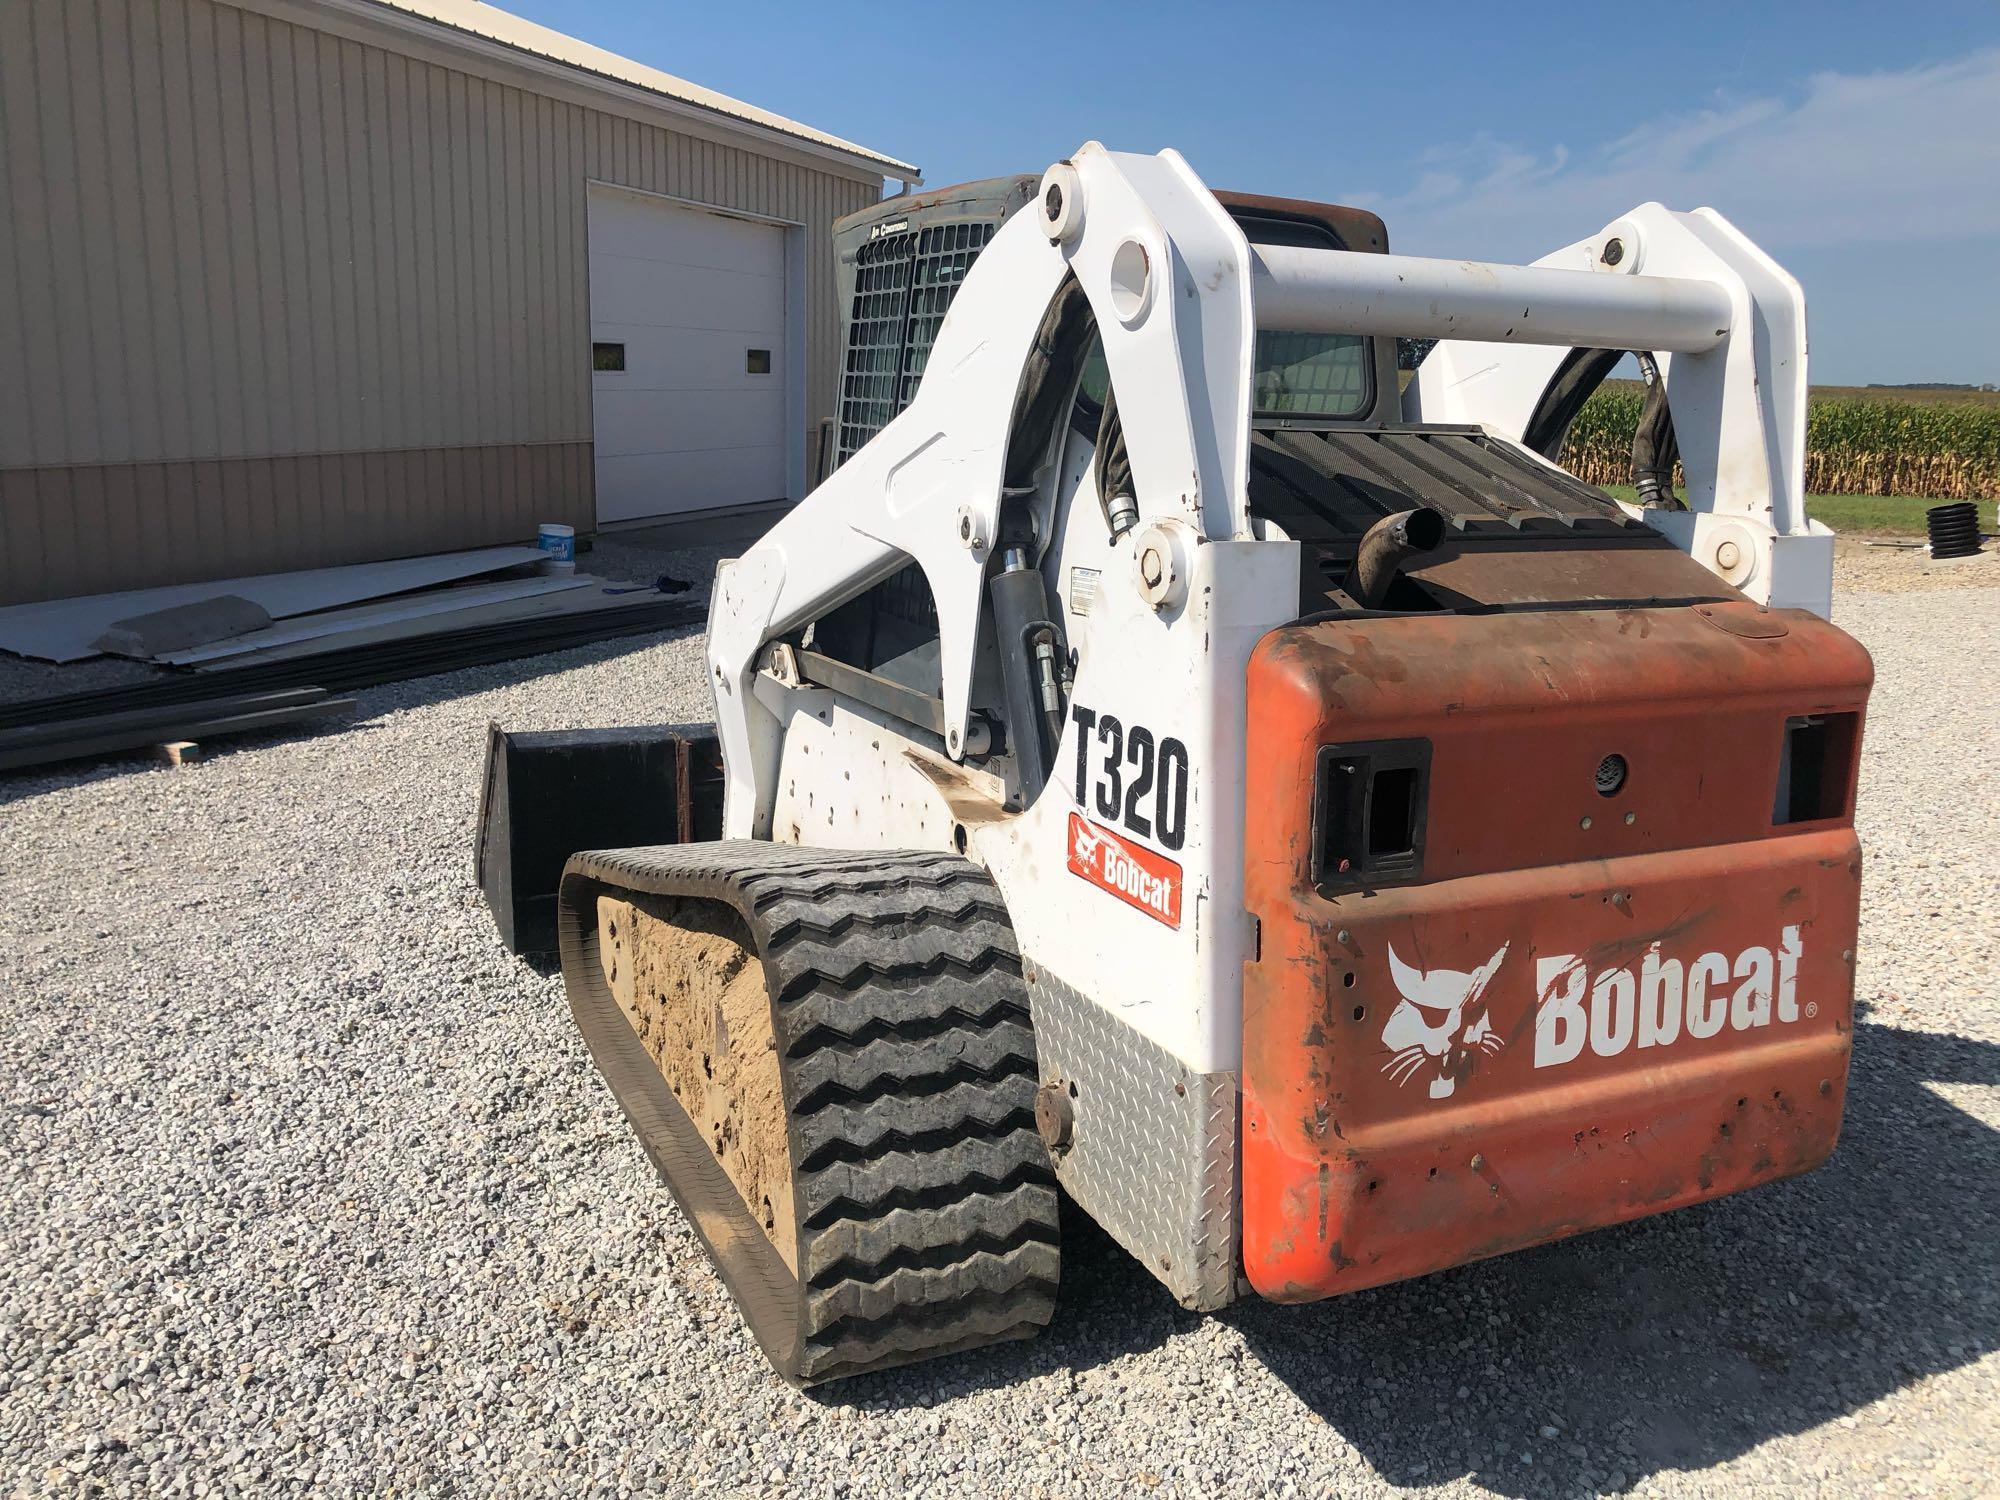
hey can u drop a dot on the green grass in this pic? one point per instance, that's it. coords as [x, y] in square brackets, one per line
[1882, 515]
[1863, 515]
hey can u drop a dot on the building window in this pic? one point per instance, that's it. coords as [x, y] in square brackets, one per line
[759, 361]
[607, 358]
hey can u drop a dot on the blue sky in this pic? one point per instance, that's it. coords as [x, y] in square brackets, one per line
[1859, 144]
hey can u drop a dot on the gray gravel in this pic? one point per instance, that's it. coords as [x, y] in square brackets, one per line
[306, 1185]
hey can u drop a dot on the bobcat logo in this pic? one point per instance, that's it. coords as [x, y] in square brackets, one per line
[1136, 875]
[1429, 1030]
[1086, 842]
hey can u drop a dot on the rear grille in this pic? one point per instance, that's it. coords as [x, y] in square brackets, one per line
[903, 286]
[869, 384]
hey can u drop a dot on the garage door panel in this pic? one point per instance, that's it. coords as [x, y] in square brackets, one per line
[699, 239]
[648, 294]
[640, 422]
[664, 484]
[691, 358]
[685, 426]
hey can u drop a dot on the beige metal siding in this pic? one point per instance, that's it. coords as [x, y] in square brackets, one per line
[277, 298]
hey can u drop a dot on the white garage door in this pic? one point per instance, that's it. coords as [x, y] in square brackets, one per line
[687, 323]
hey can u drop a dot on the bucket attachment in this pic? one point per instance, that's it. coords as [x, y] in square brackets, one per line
[547, 795]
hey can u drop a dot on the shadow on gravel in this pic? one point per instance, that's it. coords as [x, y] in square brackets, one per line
[1682, 1341]
[1675, 1343]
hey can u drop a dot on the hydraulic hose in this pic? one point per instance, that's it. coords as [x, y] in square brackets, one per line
[1655, 449]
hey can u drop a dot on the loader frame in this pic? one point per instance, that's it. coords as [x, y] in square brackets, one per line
[1139, 999]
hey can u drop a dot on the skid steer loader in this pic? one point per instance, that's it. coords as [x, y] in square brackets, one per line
[1168, 762]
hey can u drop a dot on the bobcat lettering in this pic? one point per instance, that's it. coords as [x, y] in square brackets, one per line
[1654, 1003]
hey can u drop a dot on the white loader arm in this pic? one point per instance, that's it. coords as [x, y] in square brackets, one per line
[1738, 402]
[1167, 275]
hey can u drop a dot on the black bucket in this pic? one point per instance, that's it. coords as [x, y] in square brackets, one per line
[1953, 529]
[546, 796]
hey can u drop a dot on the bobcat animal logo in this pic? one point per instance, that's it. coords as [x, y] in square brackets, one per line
[1439, 1023]
[1085, 842]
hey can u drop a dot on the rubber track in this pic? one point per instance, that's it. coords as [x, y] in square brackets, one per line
[926, 1203]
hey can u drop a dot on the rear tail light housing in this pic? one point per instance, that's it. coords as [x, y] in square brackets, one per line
[1370, 803]
[1816, 768]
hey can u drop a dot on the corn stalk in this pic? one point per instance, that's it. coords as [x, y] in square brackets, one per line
[1853, 446]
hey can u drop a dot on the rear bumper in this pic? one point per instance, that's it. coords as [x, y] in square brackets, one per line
[1357, 1172]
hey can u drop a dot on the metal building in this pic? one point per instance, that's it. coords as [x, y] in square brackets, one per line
[287, 283]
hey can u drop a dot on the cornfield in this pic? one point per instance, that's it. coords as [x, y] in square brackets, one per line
[1854, 445]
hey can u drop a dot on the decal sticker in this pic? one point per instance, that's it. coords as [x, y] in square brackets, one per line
[1133, 776]
[1613, 1009]
[1439, 1022]
[1135, 875]
[1082, 589]
[1441, 1026]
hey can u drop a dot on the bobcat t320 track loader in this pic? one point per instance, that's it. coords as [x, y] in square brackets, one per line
[1289, 814]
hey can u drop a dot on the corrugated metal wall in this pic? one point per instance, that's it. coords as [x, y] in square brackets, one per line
[274, 298]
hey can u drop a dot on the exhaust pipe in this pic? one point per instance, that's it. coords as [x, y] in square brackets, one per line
[1383, 548]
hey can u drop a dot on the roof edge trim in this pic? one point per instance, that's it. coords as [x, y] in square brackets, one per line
[433, 20]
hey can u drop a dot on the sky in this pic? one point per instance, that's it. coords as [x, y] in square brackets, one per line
[1858, 144]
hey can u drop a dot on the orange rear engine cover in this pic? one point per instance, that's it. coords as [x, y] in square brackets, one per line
[1557, 915]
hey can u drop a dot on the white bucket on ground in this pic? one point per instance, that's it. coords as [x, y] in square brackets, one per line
[558, 541]
[555, 568]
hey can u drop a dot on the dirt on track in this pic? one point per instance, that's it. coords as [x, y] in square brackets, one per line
[689, 981]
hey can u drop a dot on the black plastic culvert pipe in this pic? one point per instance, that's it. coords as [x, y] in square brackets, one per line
[1953, 529]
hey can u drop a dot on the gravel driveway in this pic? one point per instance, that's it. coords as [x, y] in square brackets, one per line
[306, 1185]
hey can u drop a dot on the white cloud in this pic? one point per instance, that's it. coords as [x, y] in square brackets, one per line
[1848, 160]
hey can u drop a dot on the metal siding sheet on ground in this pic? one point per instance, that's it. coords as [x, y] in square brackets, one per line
[106, 734]
[448, 602]
[365, 665]
[62, 630]
[146, 716]
[561, 605]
